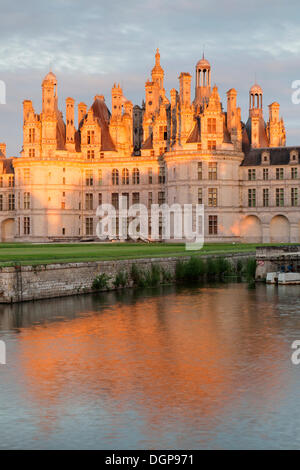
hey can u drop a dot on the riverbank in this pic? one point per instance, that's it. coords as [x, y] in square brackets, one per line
[23, 283]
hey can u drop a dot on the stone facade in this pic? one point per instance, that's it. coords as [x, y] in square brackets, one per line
[171, 150]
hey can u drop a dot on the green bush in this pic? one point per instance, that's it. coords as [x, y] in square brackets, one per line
[138, 276]
[121, 279]
[180, 271]
[211, 268]
[250, 269]
[239, 266]
[100, 282]
[166, 275]
[152, 277]
[194, 269]
[224, 267]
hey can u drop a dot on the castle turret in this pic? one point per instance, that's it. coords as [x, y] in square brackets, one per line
[275, 127]
[49, 90]
[157, 71]
[203, 82]
[81, 112]
[116, 99]
[185, 89]
[70, 128]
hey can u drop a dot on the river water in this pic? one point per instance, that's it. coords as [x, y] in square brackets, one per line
[174, 368]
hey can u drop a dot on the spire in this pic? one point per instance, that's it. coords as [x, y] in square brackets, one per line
[157, 58]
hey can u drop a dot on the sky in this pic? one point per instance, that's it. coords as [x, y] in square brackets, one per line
[90, 45]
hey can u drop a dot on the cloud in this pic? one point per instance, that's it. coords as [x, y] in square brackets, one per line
[90, 45]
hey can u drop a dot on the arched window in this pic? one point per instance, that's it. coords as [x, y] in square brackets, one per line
[136, 176]
[115, 176]
[125, 176]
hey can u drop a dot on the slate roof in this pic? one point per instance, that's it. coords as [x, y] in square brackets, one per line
[278, 156]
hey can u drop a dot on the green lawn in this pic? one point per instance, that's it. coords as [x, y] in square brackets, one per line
[26, 253]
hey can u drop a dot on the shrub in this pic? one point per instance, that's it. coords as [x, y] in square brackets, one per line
[100, 282]
[211, 267]
[239, 266]
[223, 266]
[121, 279]
[194, 269]
[180, 271]
[138, 276]
[250, 269]
[153, 276]
[166, 275]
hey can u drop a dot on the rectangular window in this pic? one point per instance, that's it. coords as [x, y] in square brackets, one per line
[1, 181]
[89, 201]
[211, 126]
[200, 174]
[150, 176]
[212, 171]
[211, 145]
[90, 137]
[213, 224]
[135, 198]
[294, 173]
[32, 153]
[11, 202]
[63, 205]
[89, 180]
[161, 197]
[251, 174]
[279, 173]
[31, 135]
[200, 196]
[26, 200]
[161, 175]
[26, 225]
[265, 174]
[89, 229]
[150, 200]
[163, 134]
[115, 200]
[279, 197]
[100, 180]
[212, 197]
[1, 202]
[294, 197]
[251, 197]
[266, 197]
[100, 199]
[11, 181]
[90, 154]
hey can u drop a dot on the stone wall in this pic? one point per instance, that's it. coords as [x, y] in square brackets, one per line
[22, 283]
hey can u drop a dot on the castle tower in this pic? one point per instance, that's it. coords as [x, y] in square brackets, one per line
[81, 112]
[116, 99]
[70, 129]
[49, 91]
[203, 82]
[2, 150]
[258, 135]
[255, 101]
[275, 127]
[231, 109]
[157, 71]
[49, 115]
[185, 89]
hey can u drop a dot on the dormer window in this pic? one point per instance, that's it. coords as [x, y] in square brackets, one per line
[293, 156]
[265, 158]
